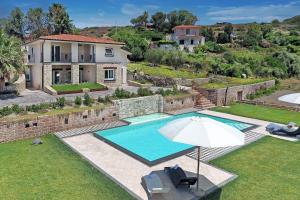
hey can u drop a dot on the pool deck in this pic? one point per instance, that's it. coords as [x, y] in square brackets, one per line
[127, 171]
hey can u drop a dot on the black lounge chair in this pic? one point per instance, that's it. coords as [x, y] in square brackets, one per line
[278, 130]
[284, 132]
[178, 177]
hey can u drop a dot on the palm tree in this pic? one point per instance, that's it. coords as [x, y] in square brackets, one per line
[11, 58]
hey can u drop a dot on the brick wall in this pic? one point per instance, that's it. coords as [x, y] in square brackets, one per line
[37, 126]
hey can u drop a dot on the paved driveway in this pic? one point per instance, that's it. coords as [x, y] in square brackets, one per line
[30, 97]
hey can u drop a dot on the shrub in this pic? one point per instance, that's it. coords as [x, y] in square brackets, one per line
[121, 94]
[88, 101]
[17, 109]
[61, 102]
[144, 92]
[262, 92]
[107, 99]
[155, 56]
[5, 111]
[78, 101]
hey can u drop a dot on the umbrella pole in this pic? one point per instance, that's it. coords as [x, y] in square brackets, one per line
[198, 167]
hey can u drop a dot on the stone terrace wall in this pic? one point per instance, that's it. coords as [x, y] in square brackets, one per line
[37, 126]
[139, 106]
[180, 102]
[235, 93]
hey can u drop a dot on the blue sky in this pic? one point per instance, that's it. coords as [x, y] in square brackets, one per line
[119, 12]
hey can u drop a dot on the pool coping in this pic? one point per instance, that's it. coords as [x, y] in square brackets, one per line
[166, 158]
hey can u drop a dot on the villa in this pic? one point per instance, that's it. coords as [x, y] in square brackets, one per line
[187, 36]
[66, 58]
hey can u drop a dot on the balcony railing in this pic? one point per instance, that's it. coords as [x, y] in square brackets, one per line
[63, 58]
[86, 58]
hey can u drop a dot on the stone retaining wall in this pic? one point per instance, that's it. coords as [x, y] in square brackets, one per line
[139, 106]
[16, 129]
[235, 93]
[37, 126]
[178, 103]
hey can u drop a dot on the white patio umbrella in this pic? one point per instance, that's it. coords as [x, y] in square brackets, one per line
[291, 98]
[204, 132]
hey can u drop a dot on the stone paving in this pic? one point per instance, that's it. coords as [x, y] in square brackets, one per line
[30, 97]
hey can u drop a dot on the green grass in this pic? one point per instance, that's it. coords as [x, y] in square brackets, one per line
[164, 71]
[231, 81]
[77, 87]
[261, 112]
[266, 169]
[51, 171]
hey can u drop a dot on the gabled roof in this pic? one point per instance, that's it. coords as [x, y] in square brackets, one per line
[186, 26]
[80, 38]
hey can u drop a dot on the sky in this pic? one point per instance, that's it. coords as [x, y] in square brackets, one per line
[119, 12]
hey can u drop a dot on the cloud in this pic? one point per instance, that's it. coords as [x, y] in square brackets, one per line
[152, 7]
[131, 9]
[264, 13]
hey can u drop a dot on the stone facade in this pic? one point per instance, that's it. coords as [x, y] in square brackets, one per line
[37, 126]
[100, 74]
[47, 75]
[180, 102]
[75, 73]
[236, 93]
[139, 106]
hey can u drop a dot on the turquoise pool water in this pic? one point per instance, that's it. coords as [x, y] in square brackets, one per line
[146, 118]
[145, 143]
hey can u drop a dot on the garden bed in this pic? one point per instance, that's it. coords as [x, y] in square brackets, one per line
[78, 88]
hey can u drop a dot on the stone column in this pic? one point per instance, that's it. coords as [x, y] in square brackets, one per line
[75, 73]
[99, 74]
[47, 75]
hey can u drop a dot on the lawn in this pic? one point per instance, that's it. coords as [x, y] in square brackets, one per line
[231, 81]
[77, 87]
[164, 71]
[266, 169]
[261, 112]
[51, 171]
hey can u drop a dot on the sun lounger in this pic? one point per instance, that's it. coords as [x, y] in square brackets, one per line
[178, 177]
[278, 130]
[154, 185]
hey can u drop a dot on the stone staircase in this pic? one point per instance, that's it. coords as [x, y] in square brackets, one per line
[203, 103]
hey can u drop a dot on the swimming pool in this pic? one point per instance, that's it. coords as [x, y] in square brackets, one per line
[143, 141]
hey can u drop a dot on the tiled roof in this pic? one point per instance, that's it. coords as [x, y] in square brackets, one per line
[80, 38]
[186, 26]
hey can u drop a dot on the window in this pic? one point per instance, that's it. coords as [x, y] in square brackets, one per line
[109, 52]
[109, 74]
[188, 31]
[192, 42]
[181, 41]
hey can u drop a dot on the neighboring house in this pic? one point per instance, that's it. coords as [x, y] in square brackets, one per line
[187, 36]
[65, 58]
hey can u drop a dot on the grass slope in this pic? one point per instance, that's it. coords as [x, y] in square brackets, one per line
[261, 112]
[51, 171]
[267, 169]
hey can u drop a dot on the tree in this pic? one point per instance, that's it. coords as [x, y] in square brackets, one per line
[141, 20]
[36, 22]
[266, 29]
[11, 57]
[181, 17]
[175, 59]
[223, 38]
[59, 20]
[15, 23]
[252, 37]
[228, 29]
[208, 34]
[159, 21]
